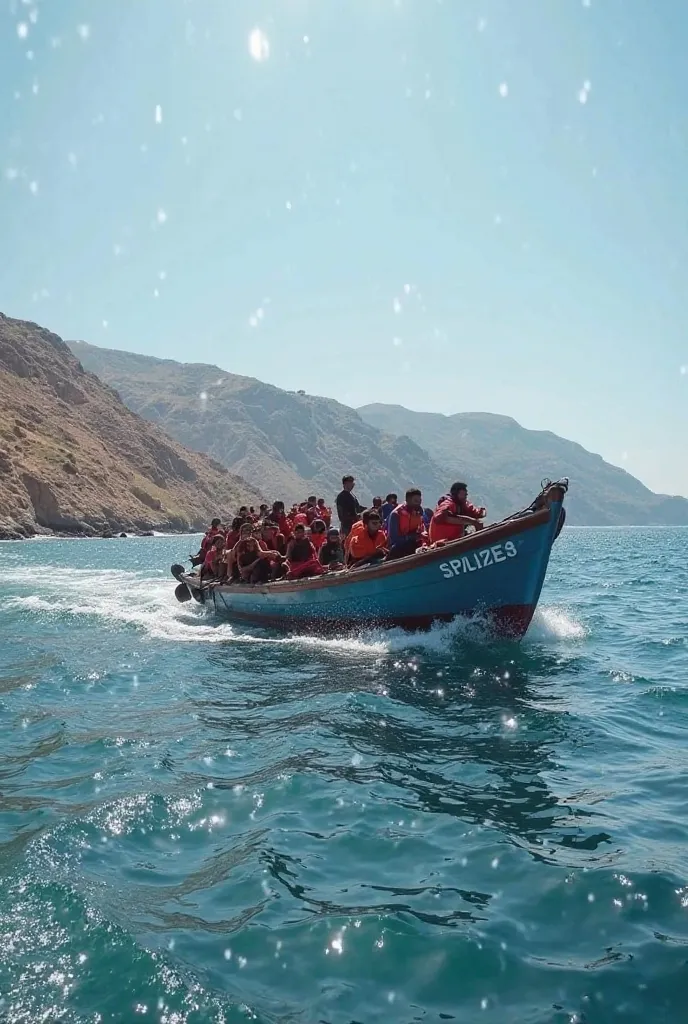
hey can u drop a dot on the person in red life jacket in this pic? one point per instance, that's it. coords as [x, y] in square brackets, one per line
[348, 507]
[231, 567]
[279, 516]
[252, 562]
[301, 557]
[324, 513]
[368, 545]
[212, 563]
[300, 519]
[453, 514]
[272, 539]
[332, 552]
[405, 526]
[210, 535]
[233, 534]
[213, 531]
[311, 509]
[318, 534]
[275, 550]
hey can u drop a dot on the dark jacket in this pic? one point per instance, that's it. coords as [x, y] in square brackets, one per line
[348, 509]
[331, 551]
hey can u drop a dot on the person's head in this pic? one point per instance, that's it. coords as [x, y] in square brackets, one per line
[333, 535]
[414, 498]
[278, 507]
[299, 531]
[311, 499]
[458, 491]
[321, 503]
[391, 499]
[318, 526]
[262, 509]
[252, 509]
[236, 523]
[348, 483]
[216, 523]
[373, 523]
[246, 530]
[243, 511]
[270, 529]
[377, 502]
[251, 544]
[219, 543]
[257, 528]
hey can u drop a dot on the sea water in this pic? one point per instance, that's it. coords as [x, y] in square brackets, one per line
[205, 822]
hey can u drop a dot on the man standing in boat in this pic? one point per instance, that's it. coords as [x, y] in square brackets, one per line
[348, 507]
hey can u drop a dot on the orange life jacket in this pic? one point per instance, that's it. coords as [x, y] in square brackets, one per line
[362, 545]
[410, 522]
[324, 513]
[357, 528]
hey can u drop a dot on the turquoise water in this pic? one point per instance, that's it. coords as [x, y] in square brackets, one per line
[200, 823]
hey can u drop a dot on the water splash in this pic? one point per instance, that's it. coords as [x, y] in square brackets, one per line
[135, 599]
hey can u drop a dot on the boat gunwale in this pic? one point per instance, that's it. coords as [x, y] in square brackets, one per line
[479, 539]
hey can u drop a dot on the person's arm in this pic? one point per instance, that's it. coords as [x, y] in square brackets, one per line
[456, 520]
[474, 511]
[393, 529]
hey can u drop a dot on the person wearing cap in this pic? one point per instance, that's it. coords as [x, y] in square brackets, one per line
[332, 552]
[368, 544]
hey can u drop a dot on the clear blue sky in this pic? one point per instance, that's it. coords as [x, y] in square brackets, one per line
[458, 205]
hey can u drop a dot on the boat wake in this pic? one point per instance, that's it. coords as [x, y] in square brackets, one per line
[125, 598]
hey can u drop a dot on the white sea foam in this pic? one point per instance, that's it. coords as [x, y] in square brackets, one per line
[118, 596]
[552, 622]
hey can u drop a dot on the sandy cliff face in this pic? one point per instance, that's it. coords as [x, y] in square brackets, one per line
[75, 459]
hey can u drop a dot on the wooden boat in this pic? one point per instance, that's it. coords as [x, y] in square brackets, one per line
[496, 572]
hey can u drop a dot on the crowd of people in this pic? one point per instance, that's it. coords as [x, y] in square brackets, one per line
[273, 543]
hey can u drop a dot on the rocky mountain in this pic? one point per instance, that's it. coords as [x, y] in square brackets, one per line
[289, 444]
[501, 460]
[74, 459]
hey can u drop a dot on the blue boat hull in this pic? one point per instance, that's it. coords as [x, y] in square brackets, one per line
[497, 572]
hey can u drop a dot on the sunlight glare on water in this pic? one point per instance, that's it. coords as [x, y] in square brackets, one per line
[227, 817]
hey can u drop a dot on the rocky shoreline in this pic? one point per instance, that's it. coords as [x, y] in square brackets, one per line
[16, 535]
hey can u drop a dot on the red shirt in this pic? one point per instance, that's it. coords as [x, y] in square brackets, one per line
[211, 562]
[441, 530]
[317, 540]
[211, 534]
[231, 538]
